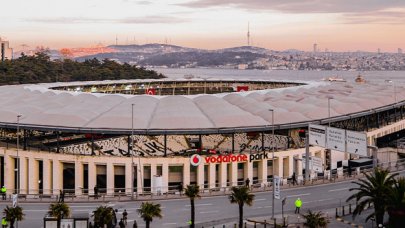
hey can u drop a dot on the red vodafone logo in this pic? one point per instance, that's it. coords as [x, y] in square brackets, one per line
[195, 159]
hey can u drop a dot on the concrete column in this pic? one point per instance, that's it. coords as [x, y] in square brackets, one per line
[46, 176]
[262, 171]
[186, 174]
[200, 175]
[278, 166]
[222, 174]
[25, 175]
[110, 178]
[139, 177]
[299, 167]
[57, 176]
[234, 174]
[129, 173]
[92, 177]
[248, 171]
[211, 175]
[291, 165]
[33, 176]
[165, 174]
[152, 176]
[78, 178]
[9, 172]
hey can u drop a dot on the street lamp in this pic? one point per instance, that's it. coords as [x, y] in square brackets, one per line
[132, 152]
[330, 151]
[272, 166]
[18, 157]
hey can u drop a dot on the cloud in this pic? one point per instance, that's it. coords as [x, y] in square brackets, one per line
[376, 17]
[139, 2]
[127, 20]
[301, 6]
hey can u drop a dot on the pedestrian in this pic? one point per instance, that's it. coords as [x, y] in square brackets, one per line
[247, 182]
[121, 223]
[298, 204]
[180, 188]
[4, 192]
[95, 192]
[135, 224]
[61, 196]
[125, 216]
[294, 178]
[4, 222]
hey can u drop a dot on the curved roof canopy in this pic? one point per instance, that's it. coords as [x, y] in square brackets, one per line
[43, 108]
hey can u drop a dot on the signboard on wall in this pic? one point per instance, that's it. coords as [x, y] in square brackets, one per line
[336, 139]
[317, 135]
[277, 187]
[356, 143]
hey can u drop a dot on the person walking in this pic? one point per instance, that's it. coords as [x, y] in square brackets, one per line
[121, 223]
[180, 188]
[125, 216]
[4, 222]
[294, 179]
[95, 192]
[135, 224]
[4, 192]
[61, 196]
[298, 204]
[247, 182]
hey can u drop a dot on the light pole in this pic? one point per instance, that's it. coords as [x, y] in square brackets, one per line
[132, 151]
[272, 166]
[18, 157]
[330, 151]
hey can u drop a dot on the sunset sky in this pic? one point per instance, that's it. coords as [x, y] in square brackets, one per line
[339, 25]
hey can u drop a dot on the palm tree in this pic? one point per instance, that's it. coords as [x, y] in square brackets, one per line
[315, 220]
[191, 192]
[241, 196]
[148, 211]
[103, 215]
[12, 214]
[396, 204]
[373, 189]
[59, 210]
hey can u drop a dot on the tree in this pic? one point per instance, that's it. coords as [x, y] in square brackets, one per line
[241, 196]
[373, 189]
[149, 210]
[59, 210]
[396, 204]
[103, 215]
[191, 192]
[315, 220]
[13, 214]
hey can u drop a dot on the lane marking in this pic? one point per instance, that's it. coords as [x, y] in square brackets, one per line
[169, 223]
[305, 194]
[202, 204]
[339, 189]
[267, 206]
[207, 212]
[260, 199]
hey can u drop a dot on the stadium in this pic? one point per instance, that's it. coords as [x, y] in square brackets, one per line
[141, 135]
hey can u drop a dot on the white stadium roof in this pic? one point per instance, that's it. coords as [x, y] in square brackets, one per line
[43, 108]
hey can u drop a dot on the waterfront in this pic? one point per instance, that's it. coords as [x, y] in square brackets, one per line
[370, 76]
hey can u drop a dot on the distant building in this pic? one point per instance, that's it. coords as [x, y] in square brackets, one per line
[399, 50]
[315, 48]
[5, 51]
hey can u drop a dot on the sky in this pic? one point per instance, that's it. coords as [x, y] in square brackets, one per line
[336, 25]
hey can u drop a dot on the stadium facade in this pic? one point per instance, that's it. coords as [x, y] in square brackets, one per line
[142, 135]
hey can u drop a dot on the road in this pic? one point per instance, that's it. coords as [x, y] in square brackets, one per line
[176, 212]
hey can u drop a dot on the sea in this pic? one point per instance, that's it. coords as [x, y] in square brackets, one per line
[293, 75]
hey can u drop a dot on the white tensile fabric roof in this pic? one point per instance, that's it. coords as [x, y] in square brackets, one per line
[40, 106]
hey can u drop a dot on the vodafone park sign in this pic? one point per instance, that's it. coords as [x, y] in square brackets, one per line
[196, 159]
